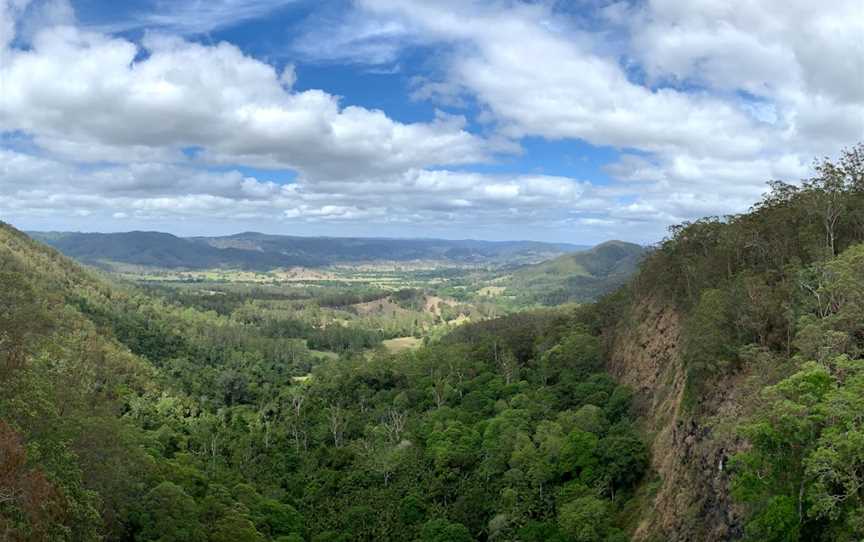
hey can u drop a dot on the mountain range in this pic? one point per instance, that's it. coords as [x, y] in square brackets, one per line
[261, 252]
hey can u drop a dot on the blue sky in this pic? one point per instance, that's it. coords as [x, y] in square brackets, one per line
[562, 121]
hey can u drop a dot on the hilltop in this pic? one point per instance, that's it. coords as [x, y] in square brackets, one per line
[581, 276]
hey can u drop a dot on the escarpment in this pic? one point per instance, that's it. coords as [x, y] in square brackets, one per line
[689, 453]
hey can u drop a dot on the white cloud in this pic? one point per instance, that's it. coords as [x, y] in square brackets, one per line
[804, 62]
[32, 186]
[354, 37]
[10, 12]
[43, 14]
[767, 48]
[86, 97]
[192, 17]
[740, 92]
[539, 79]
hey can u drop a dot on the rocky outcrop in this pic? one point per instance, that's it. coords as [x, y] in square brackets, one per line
[689, 453]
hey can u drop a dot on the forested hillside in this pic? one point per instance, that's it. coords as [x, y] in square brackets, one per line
[579, 277]
[743, 339]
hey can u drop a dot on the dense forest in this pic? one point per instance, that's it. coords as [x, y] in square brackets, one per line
[132, 414]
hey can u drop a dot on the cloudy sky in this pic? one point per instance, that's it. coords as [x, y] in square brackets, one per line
[576, 121]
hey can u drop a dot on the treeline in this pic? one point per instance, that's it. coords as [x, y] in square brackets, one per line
[348, 298]
[223, 299]
[325, 318]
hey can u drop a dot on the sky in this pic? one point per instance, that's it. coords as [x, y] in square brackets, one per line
[574, 121]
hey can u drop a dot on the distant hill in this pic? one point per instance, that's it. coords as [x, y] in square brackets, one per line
[261, 252]
[579, 276]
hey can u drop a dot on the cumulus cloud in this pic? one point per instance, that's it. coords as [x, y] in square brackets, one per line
[770, 48]
[547, 81]
[720, 96]
[34, 186]
[89, 97]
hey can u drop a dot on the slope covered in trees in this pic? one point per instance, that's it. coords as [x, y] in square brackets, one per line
[749, 333]
[578, 277]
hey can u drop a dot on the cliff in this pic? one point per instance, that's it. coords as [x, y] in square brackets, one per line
[691, 501]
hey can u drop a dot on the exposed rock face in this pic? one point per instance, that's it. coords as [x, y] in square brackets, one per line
[692, 502]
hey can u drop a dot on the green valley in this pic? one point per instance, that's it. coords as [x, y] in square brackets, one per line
[203, 411]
